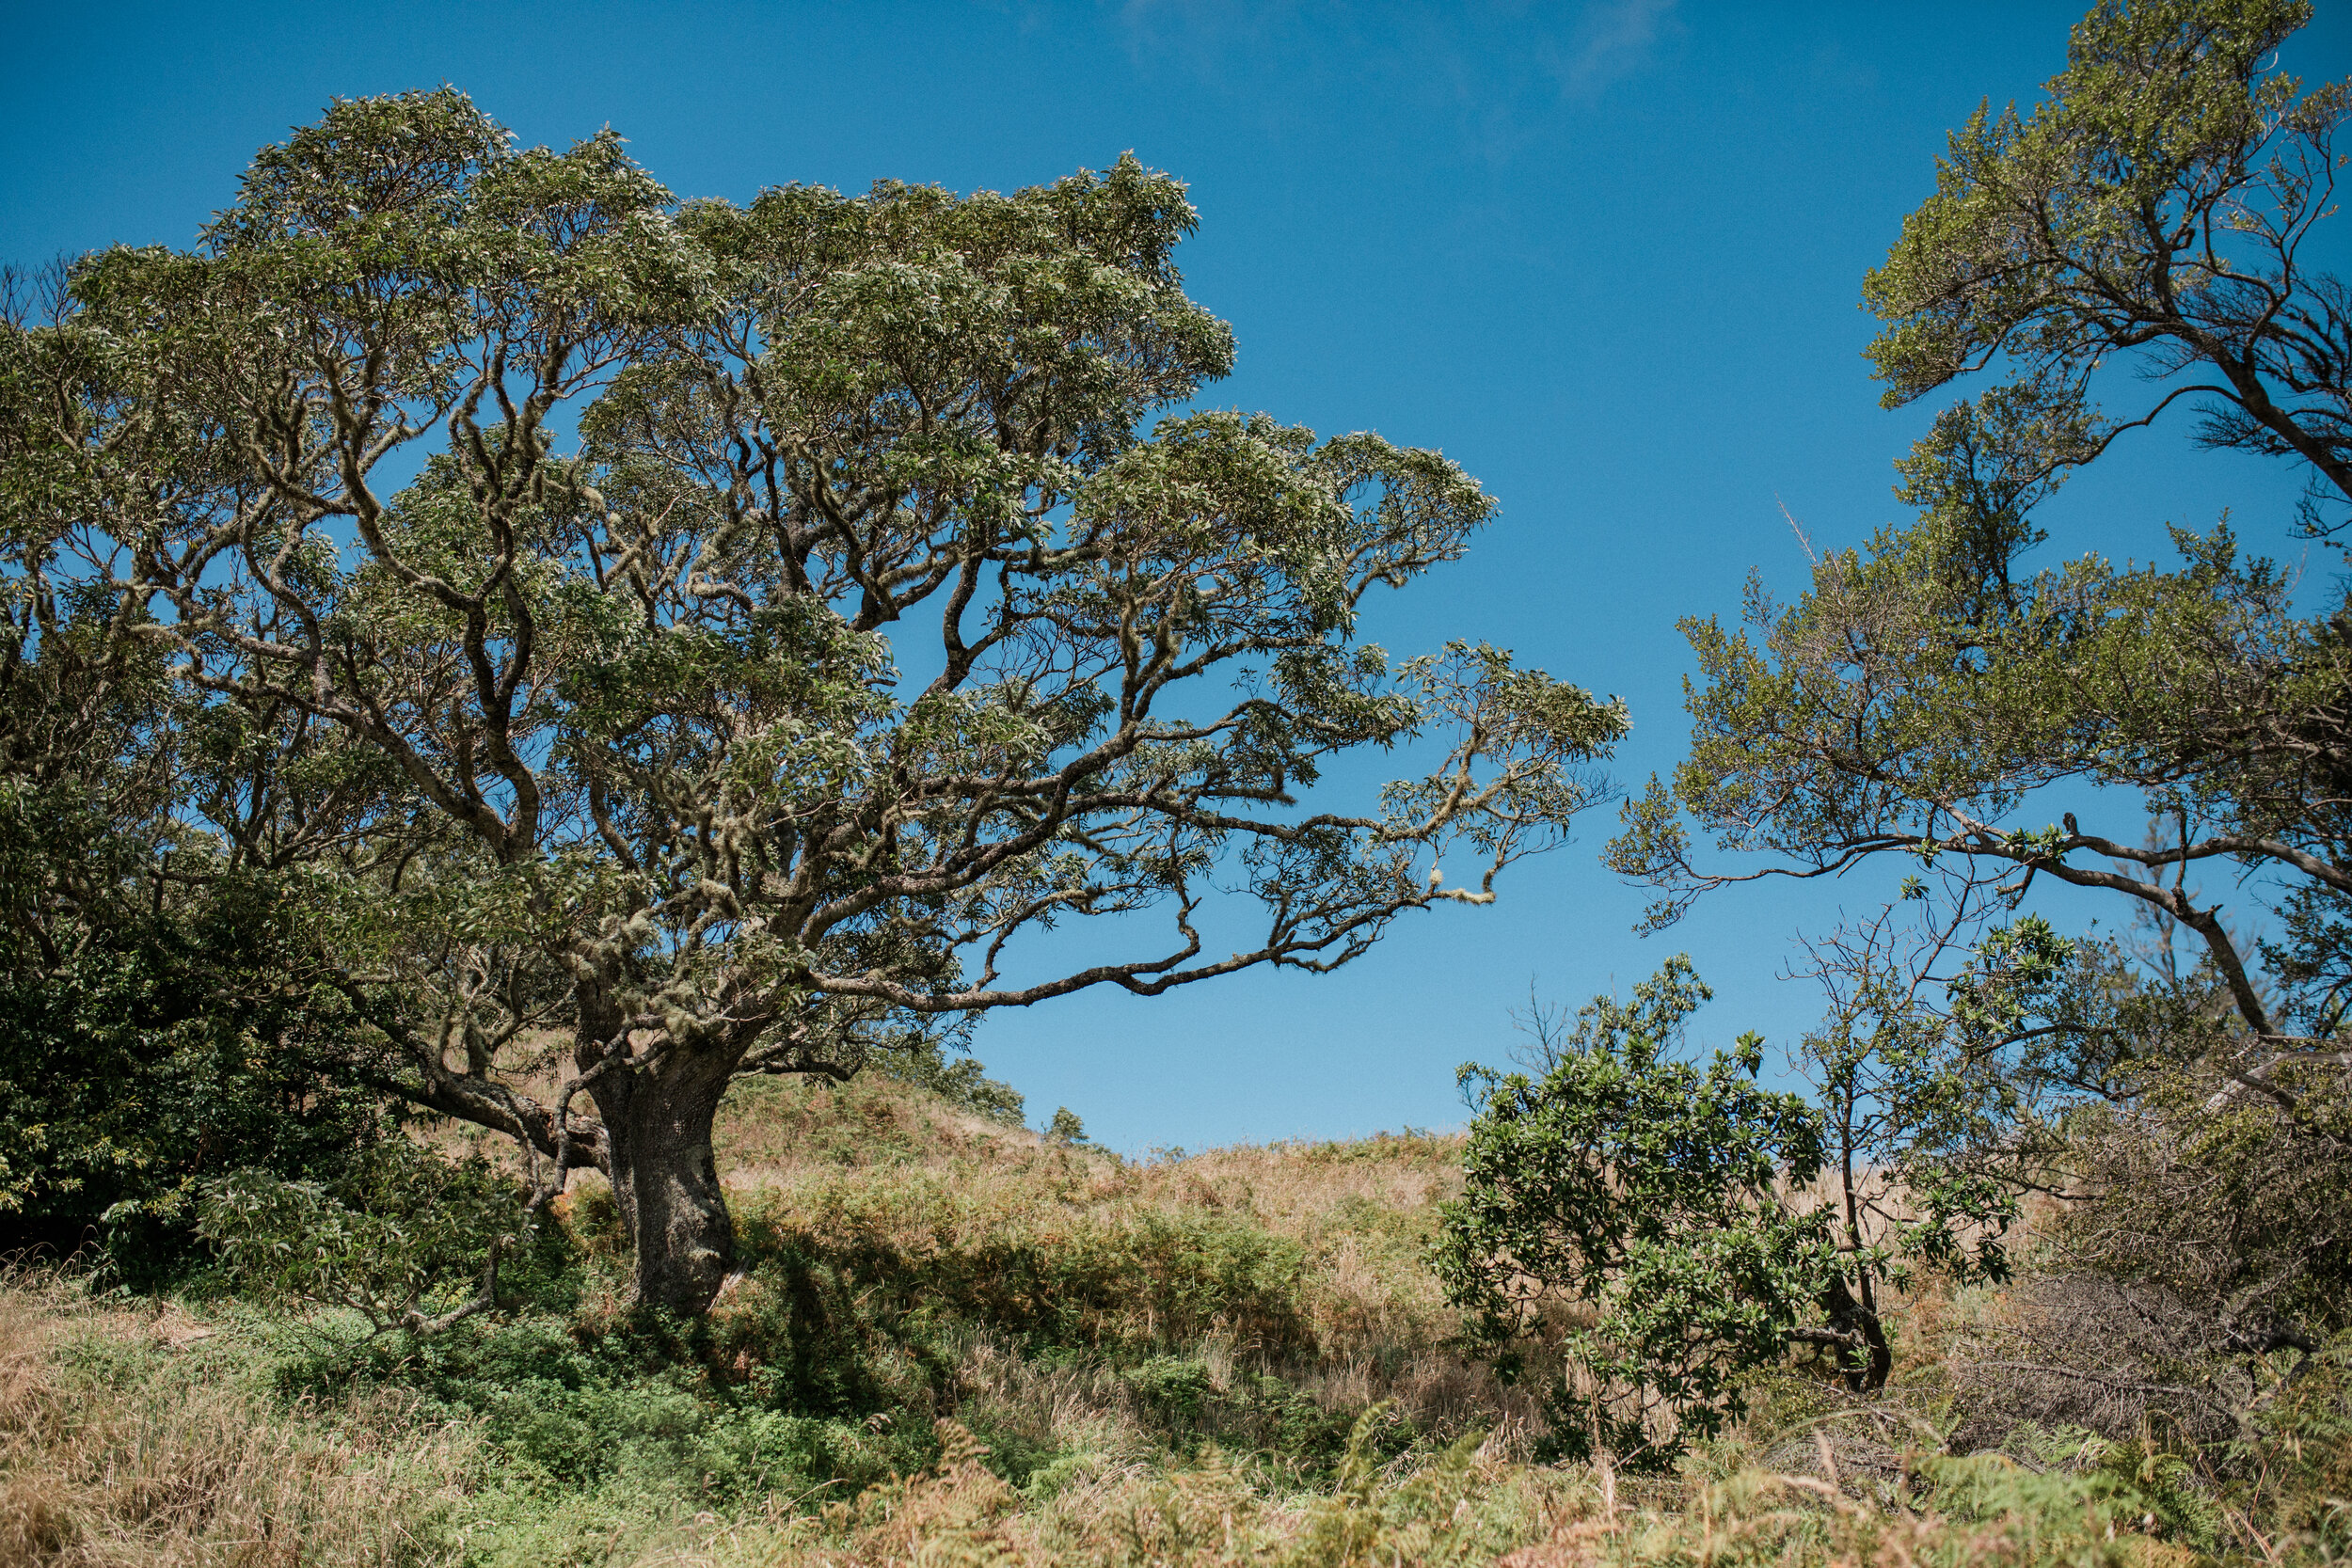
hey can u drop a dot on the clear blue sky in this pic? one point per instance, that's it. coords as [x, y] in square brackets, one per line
[1605, 255]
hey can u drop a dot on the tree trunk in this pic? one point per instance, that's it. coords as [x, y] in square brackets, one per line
[665, 1177]
[1865, 1373]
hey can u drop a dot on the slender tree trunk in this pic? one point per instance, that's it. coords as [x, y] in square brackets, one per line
[1867, 1372]
[665, 1177]
[1867, 1375]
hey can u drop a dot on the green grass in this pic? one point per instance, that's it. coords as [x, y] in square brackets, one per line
[953, 1341]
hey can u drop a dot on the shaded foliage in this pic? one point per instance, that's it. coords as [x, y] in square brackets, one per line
[171, 1040]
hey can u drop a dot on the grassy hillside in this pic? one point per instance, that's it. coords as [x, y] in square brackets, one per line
[953, 1341]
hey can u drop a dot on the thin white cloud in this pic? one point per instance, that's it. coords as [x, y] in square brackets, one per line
[1203, 29]
[1505, 67]
[1613, 41]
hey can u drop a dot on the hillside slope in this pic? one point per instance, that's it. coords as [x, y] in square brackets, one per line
[950, 1340]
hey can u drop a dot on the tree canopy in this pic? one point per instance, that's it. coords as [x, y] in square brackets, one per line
[1917, 703]
[728, 638]
[2153, 210]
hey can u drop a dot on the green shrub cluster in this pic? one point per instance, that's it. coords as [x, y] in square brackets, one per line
[171, 1046]
[919, 1246]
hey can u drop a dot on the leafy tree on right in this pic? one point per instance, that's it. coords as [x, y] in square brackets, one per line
[2184, 1088]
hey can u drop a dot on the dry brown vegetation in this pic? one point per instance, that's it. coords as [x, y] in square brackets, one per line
[1322, 1242]
[141, 1456]
[1036, 1353]
[122, 1445]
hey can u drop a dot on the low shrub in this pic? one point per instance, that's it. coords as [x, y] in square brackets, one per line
[406, 1237]
[923, 1246]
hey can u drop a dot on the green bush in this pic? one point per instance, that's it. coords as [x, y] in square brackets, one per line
[1624, 1214]
[407, 1238]
[158, 1053]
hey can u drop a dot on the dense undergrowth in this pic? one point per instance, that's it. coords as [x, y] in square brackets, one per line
[951, 1341]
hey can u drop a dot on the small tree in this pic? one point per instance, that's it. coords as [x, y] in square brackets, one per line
[638, 737]
[2157, 214]
[1631, 1212]
[395, 1232]
[1942, 1095]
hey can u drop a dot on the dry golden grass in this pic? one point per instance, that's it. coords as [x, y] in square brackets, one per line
[1303, 1261]
[1360, 1212]
[130, 1435]
[120, 1448]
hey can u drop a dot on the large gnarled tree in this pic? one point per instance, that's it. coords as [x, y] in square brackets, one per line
[734, 636]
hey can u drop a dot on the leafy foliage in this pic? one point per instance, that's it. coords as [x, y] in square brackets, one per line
[388, 1239]
[1913, 705]
[1626, 1210]
[2152, 209]
[170, 1043]
[2156, 202]
[609, 736]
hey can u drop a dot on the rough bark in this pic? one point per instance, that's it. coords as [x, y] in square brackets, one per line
[665, 1177]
